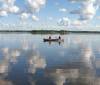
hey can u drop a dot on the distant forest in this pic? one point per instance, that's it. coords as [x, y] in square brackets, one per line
[49, 31]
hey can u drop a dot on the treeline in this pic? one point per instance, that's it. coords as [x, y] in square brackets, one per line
[49, 31]
[60, 32]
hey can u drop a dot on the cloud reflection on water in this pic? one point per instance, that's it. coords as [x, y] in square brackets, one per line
[36, 62]
[77, 66]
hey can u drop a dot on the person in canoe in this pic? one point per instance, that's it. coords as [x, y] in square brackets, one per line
[49, 37]
[54, 39]
[59, 38]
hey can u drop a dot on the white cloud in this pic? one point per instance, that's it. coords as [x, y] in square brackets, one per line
[9, 2]
[87, 10]
[3, 13]
[50, 18]
[35, 5]
[13, 9]
[8, 6]
[98, 17]
[24, 16]
[74, 1]
[63, 10]
[35, 18]
[76, 23]
[65, 21]
[41, 2]
[65, 18]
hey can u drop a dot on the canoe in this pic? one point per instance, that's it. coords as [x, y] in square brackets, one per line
[52, 40]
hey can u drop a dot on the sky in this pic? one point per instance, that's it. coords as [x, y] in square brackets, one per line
[50, 14]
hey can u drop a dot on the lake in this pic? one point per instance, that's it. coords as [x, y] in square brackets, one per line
[26, 60]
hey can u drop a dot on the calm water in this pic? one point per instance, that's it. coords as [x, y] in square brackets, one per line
[26, 60]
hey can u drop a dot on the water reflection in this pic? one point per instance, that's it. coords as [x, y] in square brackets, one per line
[25, 45]
[26, 60]
[81, 72]
[4, 67]
[36, 62]
[50, 42]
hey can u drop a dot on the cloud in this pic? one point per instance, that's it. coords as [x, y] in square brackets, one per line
[8, 6]
[50, 18]
[11, 2]
[75, 12]
[8, 2]
[3, 13]
[35, 18]
[98, 17]
[13, 9]
[63, 10]
[67, 22]
[24, 16]
[87, 9]
[75, 1]
[35, 5]
[64, 21]
[76, 23]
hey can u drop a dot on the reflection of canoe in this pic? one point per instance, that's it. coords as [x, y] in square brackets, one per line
[51, 40]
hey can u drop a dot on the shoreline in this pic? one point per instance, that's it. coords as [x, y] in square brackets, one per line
[47, 31]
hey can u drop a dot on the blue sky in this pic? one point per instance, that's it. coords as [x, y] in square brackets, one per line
[50, 14]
